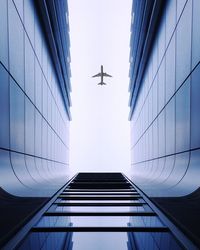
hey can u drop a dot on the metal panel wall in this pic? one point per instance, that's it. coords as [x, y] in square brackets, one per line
[165, 133]
[34, 126]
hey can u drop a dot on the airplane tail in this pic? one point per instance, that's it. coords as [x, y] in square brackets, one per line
[102, 83]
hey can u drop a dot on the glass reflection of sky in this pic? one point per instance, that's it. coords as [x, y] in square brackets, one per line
[100, 221]
[99, 241]
[100, 209]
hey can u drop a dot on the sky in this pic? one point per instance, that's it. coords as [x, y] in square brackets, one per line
[99, 130]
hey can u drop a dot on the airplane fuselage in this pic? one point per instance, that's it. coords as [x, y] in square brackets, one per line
[102, 75]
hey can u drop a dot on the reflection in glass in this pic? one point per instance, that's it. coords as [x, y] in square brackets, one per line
[16, 44]
[183, 117]
[99, 241]
[16, 117]
[183, 44]
[100, 221]
[100, 209]
[4, 33]
[195, 104]
[102, 201]
[4, 107]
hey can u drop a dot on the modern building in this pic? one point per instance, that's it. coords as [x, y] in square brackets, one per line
[41, 206]
[99, 211]
[34, 105]
[164, 106]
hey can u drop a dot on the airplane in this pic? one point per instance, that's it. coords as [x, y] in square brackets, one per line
[102, 74]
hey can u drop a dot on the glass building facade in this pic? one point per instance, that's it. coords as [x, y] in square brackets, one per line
[164, 107]
[164, 102]
[99, 211]
[34, 96]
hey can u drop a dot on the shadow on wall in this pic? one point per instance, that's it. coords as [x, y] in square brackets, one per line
[16, 211]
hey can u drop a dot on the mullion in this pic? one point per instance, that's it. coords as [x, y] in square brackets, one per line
[105, 193]
[100, 229]
[99, 198]
[100, 214]
[100, 204]
[100, 195]
[98, 190]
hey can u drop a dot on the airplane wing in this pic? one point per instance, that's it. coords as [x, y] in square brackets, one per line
[97, 75]
[105, 74]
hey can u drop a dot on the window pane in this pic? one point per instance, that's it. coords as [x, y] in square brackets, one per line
[170, 127]
[195, 105]
[4, 108]
[195, 33]
[29, 69]
[29, 127]
[100, 241]
[16, 45]
[170, 69]
[183, 46]
[4, 33]
[93, 209]
[16, 117]
[183, 117]
[100, 221]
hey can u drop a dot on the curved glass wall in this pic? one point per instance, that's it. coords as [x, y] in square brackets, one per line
[34, 126]
[165, 133]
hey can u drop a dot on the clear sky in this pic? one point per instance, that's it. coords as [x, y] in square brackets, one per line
[100, 130]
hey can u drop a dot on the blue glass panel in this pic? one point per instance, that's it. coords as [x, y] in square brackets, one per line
[21, 171]
[4, 108]
[8, 179]
[100, 241]
[195, 33]
[183, 46]
[168, 167]
[183, 117]
[29, 127]
[44, 138]
[161, 166]
[44, 58]
[32, 169]
[16, 117]
[155, 241]
[180, 7]
[19, 4]
[102, 201]
[38, 86]
[101, 221]
[29, 19]
[4, 33]
[170, 19]
[155, 139]
[155, 97]
[161, 134]
[190, 182]
[155, 59]
[100, 209]
[170, 69]
[29, 70]
[161, 39]
[16, 45]
[49, 104]
[38, 39]
[38, 134]
[170, 127]
[178, 172]
[44, 97]
[195, 105]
